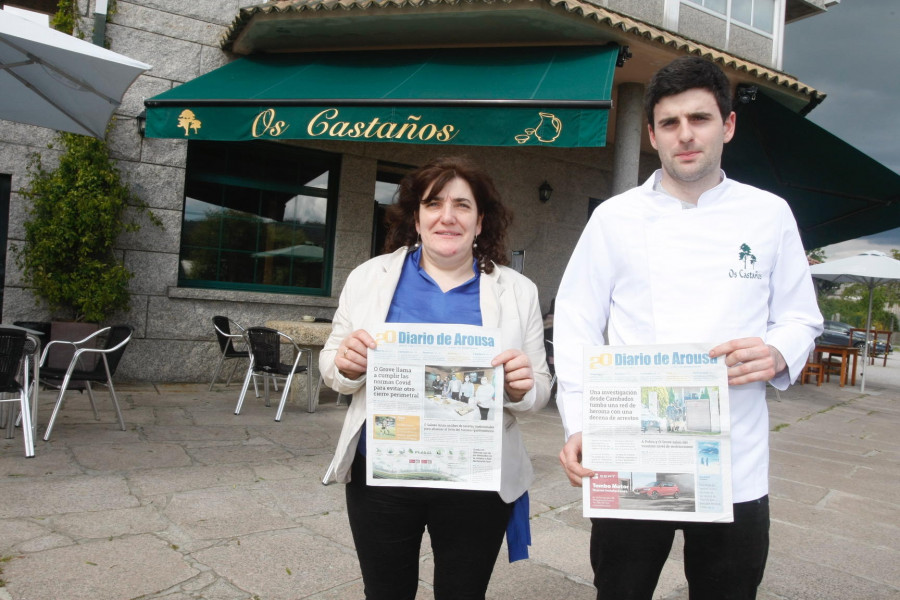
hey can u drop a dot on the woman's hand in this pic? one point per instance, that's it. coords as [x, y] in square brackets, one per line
[351, 358]
[518, 377]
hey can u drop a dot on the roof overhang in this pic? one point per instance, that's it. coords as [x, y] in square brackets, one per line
[315, 25]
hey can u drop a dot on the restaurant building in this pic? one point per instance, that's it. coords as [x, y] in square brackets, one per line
[269, 139]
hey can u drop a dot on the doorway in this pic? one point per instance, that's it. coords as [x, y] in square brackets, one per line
[5, 189]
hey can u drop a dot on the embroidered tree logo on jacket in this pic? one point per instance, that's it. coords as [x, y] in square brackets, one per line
[746, 254]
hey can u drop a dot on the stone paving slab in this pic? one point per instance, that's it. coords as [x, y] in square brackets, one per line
[193, 502]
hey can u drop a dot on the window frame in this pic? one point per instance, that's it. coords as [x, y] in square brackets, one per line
[731, 20]
[261, 150]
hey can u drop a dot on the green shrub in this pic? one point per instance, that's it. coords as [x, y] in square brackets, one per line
[76, 215]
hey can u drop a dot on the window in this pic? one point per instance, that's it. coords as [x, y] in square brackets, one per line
[387, 181]
[759, 14]
[258, 216]
[5, 189]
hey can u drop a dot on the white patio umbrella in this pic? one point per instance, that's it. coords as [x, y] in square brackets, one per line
[54, 80]
[869, 269]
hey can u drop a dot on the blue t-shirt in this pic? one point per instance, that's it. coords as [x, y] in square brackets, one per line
[419, 299]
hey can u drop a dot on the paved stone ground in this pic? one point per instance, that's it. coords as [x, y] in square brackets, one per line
[194, 502]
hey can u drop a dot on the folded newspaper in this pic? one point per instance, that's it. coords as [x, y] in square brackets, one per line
[434, 407]
[656, 433]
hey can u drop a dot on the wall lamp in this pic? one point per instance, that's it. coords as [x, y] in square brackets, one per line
[745, 94]
[544, 192]
[141, 120]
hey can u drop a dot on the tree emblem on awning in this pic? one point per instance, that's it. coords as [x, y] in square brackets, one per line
[187, 120]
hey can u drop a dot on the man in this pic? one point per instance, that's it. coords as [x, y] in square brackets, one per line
[455, 386]
[689, 256]
[467, 391]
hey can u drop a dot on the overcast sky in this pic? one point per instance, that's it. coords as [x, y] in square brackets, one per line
[852, 54]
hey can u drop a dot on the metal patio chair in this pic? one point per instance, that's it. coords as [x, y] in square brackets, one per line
[265, 360]
[29, 382]
[101, 371]
[12, 353]
[227, 333]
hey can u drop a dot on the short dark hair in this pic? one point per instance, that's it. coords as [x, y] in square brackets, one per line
[496, 218]
[687, 73]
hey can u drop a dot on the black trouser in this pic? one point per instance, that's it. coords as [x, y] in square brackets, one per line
[466, 529]
[722, 561]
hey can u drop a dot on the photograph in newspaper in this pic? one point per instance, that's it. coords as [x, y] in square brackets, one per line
[656, 434]
[434, 413]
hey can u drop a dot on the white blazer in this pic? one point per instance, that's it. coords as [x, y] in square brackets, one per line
[509, 301]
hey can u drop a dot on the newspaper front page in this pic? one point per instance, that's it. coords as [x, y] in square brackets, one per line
[434, 407]
[656, 433]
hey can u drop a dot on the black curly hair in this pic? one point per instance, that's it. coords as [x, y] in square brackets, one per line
[496, 218]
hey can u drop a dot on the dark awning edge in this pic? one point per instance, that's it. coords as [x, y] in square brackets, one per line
[556, 96]
[836, 192]
[414, 102]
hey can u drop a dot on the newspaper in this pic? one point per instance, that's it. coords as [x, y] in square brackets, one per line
[656, 433]
[434, 407]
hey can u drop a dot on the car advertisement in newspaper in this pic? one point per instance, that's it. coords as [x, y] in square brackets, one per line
[656, 433]
[434, 407]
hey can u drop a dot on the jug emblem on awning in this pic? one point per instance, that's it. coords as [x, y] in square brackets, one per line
[547, 130]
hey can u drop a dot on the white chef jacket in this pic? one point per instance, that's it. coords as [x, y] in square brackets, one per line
[647, 271]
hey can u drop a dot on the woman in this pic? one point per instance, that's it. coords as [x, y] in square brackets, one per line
[484, 398]
[446, 242]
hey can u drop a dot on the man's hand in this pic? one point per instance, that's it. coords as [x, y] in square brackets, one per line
[749, 359]
[570, 459]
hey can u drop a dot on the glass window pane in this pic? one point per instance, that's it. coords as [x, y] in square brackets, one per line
[385, 191]
[238, 233]
[240, 202]
[198, 263]
[720, 6]
[741, 11]
[305, 209]
[257, 216]
[764, 15]
[316, 180]
[235, 267]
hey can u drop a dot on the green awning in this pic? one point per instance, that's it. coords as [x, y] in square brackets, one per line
[540, 96]
[836, 192]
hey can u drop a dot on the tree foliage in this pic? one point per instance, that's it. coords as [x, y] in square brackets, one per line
[66, 17]
[663, 398]
[76, 215]
[851, 303]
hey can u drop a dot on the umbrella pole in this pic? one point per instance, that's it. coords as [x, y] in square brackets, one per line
[862, 386]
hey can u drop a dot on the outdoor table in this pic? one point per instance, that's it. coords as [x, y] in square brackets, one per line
[845, 352]
[307, 334]
[437, 407]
